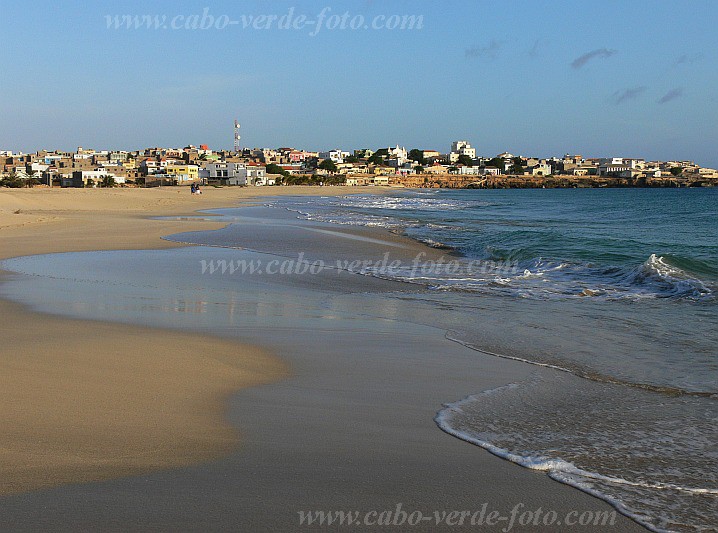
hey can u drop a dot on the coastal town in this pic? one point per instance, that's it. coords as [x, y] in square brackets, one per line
[459, 167]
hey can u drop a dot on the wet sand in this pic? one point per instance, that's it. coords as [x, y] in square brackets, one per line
[85, 401]
[350, 428]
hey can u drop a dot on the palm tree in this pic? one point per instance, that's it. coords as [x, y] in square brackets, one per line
[31, 180]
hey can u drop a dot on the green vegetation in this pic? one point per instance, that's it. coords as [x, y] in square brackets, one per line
[465, 160]
[283, 175]
[377, 158]
[496, 162]
[305, 179]
[417, 155]
[334, 180]
[517, 167]
[677, 171]
[31, 180]
[107, 181]
[276, 169]
[328, 165]
[13, 181]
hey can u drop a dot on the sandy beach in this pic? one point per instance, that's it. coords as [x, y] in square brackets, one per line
[67, 421]
[167, 422]
[34, 221]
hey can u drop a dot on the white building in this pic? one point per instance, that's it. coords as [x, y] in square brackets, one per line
[38, 168]
[149, 166]
[469, 171]
[541, 169]
[257, 176]
[399, 153]
[617, 165]
[224, 173]
[337, 156]
[118, 156]
[83, 178]
[463, 148]
[234, 174]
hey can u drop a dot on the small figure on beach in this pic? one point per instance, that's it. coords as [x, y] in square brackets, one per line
[192, 189]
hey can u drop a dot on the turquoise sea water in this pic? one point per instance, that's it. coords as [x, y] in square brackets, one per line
[617, 290]
[598, 242]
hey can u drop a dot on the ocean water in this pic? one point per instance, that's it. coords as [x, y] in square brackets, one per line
[614, 289]
[590, 242]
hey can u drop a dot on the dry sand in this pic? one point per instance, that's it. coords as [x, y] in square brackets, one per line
[82, 401]
[35, 221]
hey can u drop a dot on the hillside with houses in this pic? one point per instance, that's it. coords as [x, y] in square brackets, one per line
[459, 167]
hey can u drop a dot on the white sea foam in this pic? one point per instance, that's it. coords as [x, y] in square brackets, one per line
[452, 417]
[677, 281]
[542, 279]
[407, 203]
[535, 278]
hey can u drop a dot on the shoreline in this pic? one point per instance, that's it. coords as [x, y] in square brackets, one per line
[89, 219]
[534, 489]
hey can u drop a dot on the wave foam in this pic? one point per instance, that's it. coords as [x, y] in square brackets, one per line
[673, 281]
[555, 467]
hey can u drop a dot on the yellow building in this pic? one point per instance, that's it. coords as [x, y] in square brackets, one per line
[183, 173]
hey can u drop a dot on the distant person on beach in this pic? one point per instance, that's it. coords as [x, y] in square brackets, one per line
[193, 190]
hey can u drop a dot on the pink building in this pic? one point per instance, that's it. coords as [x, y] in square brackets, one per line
[296, 156]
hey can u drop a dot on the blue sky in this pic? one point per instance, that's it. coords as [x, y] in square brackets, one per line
[537, 77]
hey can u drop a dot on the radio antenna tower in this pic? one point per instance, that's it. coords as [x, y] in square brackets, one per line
[236, 136]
